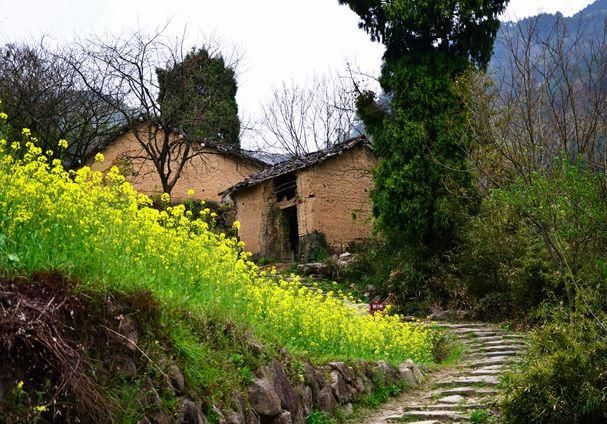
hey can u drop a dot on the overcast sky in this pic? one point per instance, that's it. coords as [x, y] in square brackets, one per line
[281, 39]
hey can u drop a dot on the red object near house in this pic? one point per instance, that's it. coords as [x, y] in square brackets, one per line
[376, 307]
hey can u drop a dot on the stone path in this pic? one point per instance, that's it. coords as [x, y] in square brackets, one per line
[452, 394]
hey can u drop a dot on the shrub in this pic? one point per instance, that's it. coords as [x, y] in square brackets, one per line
[563, 378]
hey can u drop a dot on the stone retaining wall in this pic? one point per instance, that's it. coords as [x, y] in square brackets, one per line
[273, 398]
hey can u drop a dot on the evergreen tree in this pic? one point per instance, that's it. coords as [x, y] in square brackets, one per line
[198, 96]
[423, 187]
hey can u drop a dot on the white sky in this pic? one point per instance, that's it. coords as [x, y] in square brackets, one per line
[282, 40]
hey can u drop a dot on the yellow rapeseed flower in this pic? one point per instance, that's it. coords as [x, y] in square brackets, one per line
[62, 144]
[99, 157]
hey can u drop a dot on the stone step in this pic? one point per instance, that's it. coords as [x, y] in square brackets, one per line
[496, 360]
[464, 325]
[485, 332]
[484, 371]
[442, 406]
[424, 422]
[464, 391]
[504, 350]
[482, 380]
[515, 336]
[487, 339]
[502, 353]
[443, 416]
[508, 341]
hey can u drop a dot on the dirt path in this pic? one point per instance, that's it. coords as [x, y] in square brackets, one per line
[452, 395]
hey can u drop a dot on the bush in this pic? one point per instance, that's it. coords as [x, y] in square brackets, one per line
[502, 262]
[563, 378]
[416, 282]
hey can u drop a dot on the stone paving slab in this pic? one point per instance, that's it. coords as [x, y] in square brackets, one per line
[452, 395]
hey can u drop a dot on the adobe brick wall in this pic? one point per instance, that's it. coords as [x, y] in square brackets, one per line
[208, 174]
[335, 199]
[251, 211]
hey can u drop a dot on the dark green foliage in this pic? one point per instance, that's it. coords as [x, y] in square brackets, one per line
[198, 96]
[535, 241]
[397, 272]
[460, 28]
[563, 379]
[422, 184]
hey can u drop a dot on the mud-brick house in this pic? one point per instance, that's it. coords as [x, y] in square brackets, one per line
[216, 168]
[286, 209]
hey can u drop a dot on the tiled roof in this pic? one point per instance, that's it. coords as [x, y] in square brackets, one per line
[297, 164]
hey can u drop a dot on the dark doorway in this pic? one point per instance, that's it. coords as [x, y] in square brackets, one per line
[292, 231]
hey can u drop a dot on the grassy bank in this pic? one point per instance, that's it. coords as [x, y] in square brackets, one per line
[97, 229]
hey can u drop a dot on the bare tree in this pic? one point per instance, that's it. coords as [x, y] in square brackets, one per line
[123, 71]
[299, 119]
[40, 91]
[548, 100]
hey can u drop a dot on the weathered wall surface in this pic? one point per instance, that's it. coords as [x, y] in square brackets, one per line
[262, 225]
[207, 174]
[334, 198]
[251, 206]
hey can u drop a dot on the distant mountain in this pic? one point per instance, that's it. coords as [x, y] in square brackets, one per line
[585, 22]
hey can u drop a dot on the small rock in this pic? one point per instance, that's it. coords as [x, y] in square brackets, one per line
[282, 386]
[128, 328]
[176, 377]
[439, 314]
[452, 399]
[326, 400]
[339, 387]
[191, 413]
[263, 397]
[310, 379]
[283, 418]
[386, 372]
[126, 365]
[347, 409]
[305, 393]
[463, 315]
[406, 374]
[343, 369]
[234, 418]
[313, 268]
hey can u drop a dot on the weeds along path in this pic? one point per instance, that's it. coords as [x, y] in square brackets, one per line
[463, 393]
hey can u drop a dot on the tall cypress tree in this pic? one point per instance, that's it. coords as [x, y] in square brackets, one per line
[198, 96]
[423, 188]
